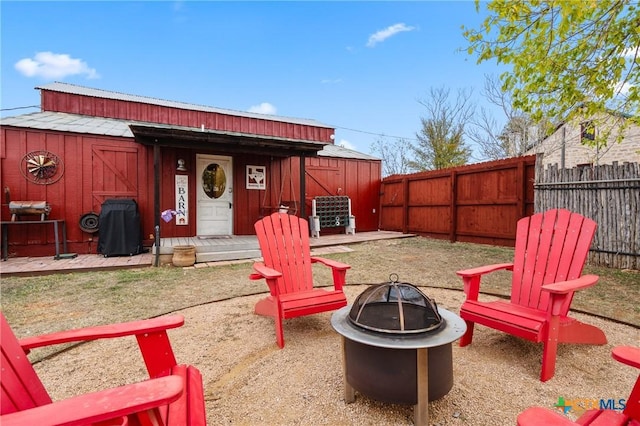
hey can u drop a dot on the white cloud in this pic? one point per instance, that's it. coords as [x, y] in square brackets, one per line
[51, 65]
[382, 35]
[346, 144]
[331, 81]
[622, 88]
[630, 53]
[263, 108]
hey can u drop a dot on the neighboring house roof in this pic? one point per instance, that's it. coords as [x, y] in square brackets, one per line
[105, 94]
[74, 123]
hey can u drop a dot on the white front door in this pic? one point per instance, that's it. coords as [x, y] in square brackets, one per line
[215, 195]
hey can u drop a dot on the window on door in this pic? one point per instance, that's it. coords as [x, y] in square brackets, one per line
[214, 180]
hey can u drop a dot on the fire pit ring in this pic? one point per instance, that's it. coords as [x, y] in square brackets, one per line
[403, 369]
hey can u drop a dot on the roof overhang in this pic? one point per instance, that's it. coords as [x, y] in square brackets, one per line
[222, 141]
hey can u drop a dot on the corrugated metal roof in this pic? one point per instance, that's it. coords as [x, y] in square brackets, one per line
[64, 122]
[342, 152]
[105, 94]
[74, 123]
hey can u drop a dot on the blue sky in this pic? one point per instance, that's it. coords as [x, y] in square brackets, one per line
[358, 66]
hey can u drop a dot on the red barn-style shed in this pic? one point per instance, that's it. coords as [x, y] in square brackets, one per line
[218, 170]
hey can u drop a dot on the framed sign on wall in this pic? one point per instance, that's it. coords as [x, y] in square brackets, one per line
[182, 200]
[256, 177]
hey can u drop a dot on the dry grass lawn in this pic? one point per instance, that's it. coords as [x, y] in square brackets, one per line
[249, 381]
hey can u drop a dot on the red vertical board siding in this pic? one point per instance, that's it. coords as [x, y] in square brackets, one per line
[99, 108]
[35, 141]
[242, 199]
[167, 196]
[368, 198]
[212, 121]
[111, 108]
[70, 197]
[251, 204]
[269, 128]
[67, 187]
[191, 118]
[128, 110]
[86, 173]
[97, 168]
[234, 123]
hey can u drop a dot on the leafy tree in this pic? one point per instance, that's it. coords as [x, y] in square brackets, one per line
[441, 141]
[395, 155]
[569, 59]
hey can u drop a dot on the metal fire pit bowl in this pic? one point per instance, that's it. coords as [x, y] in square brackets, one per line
[395, 308]
[399, 368]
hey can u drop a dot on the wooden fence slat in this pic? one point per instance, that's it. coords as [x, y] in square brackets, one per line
[478, 203]
[481, 213]
[610, 195]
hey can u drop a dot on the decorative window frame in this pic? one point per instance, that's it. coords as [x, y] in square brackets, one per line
[587, 132]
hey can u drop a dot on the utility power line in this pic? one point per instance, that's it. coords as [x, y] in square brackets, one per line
[23, 107]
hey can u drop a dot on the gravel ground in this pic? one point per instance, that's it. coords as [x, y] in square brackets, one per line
[249, 381]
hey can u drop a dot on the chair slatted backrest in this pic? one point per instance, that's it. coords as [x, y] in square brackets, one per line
[550, 247]
[284, 242]
[21, 387]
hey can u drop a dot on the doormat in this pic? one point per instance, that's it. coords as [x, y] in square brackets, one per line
[214, 237]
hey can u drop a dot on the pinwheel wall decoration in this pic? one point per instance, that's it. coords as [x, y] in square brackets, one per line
[42, 167]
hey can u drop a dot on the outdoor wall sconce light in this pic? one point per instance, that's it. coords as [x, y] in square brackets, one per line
[181, 167]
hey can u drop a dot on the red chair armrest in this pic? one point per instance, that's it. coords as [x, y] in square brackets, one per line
[338, 269]
[334, 264]
[560, 291]
[471, 277]
[564, 287]
[628, 355]
[103, 331]
[100, 406]
[150, 334]
[263, 271]
[481, 270]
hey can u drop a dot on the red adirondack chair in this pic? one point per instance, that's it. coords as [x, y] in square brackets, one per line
[172, 396]
[630, 416]
[550, 252]
[284, 242]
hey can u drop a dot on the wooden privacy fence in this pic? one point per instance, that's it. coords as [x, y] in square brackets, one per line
[478, 203]
[608, 194]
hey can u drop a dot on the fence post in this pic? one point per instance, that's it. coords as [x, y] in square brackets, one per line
[453, 206]
[405, 205]
[521, 189]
